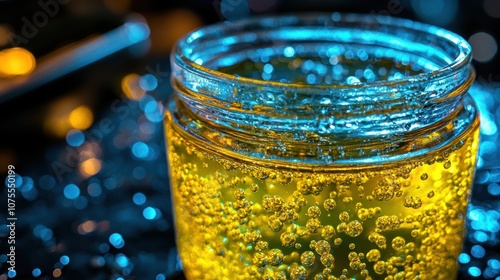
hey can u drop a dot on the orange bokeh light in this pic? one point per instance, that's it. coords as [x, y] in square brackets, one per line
[16, 62]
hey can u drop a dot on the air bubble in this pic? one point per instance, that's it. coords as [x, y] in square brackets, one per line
[314, 212]
[354, 228]
[307, 258]
[373, 255]
[329, 204]
[322, 247]
[327, 260]
[344, 216]
[398, 243]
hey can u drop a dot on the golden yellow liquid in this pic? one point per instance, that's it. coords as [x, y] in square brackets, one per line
[236, 219]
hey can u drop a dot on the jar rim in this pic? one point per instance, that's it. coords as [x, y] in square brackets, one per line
[185, 46]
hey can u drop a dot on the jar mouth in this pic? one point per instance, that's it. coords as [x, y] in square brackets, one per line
[447, 52]
[341, 121]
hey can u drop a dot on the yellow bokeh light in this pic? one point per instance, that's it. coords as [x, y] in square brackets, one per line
[90, 166]
[131, 87]
[16, 62]
[81, 118]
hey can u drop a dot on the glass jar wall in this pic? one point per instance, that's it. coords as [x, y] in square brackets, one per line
[321, 146]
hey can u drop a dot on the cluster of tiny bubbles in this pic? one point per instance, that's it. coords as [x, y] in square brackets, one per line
[90, 201]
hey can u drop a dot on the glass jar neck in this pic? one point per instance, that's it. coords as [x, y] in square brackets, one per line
[363, 84]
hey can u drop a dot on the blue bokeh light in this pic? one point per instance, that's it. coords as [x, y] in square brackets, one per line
[151, 213]
[463, 258]
[148, 82]
[480, 236]
[136, 31]
[99, 261]
[233, 10]
[110, 183]
[140, 150]
[494, 263]
[289, 51]
[94, 189]
[474, 271]
[438, 12]
[494, 189]
[71, 191]
[477, 251]
[121, 260]
[103, 248]
[80, 202]
[139, 173]
[75, 138]
[139, 198]
[17, 180]
[154, 111]
[36, 272]
[11, 273]
[116, 240]
[47, 182]
[27, 184]
[64, 260]
[46, 234]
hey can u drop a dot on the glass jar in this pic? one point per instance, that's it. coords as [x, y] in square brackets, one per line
[321, 146]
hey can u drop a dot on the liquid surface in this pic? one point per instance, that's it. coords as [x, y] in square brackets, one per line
[236, 219]
[349, 66]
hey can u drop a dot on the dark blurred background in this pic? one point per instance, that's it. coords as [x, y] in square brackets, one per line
[82, 88]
